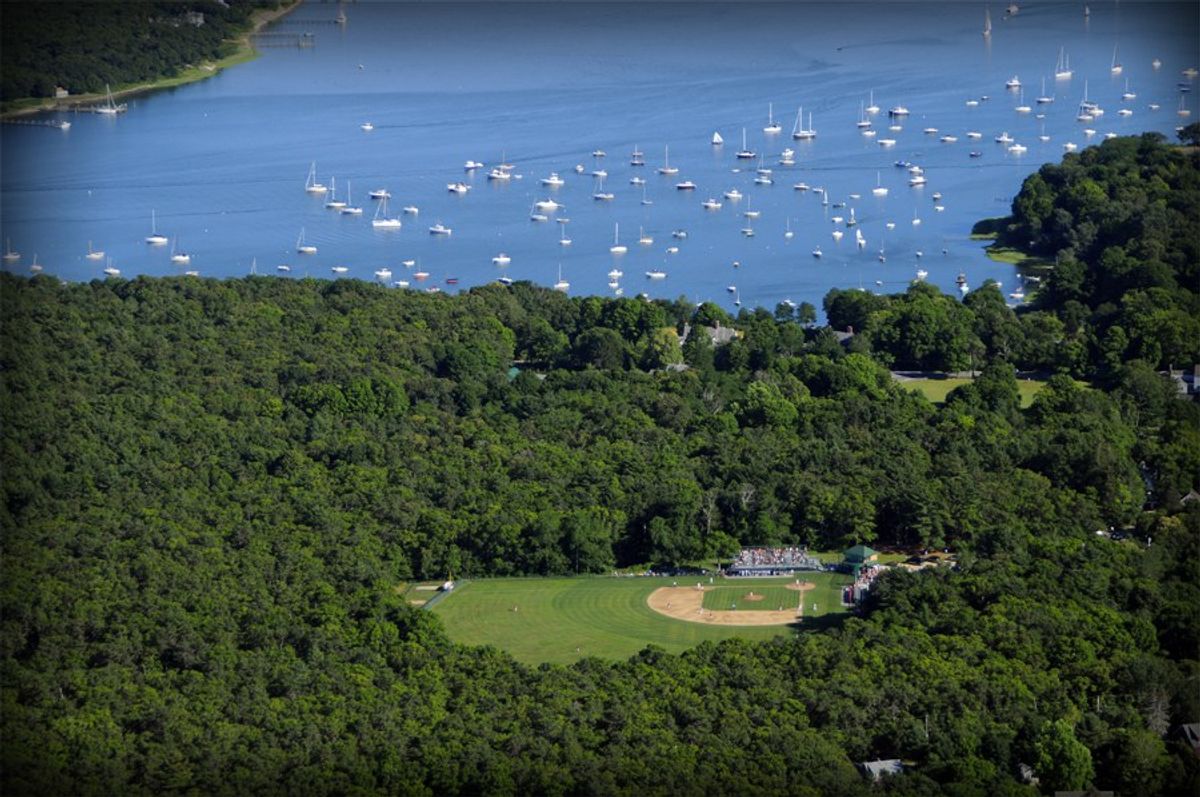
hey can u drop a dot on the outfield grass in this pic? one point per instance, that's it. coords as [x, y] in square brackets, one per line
[936, 390]
[562, 620]
[732, 595]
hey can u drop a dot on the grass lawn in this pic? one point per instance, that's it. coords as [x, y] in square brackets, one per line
[562, 620]
[936, 390]
[733, 596]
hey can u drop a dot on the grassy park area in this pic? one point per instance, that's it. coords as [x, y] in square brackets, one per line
[562, 620]
[936, 390]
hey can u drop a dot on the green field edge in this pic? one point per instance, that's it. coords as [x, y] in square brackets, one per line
[244, 53]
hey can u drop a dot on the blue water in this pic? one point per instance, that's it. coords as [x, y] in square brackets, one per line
[223, 162]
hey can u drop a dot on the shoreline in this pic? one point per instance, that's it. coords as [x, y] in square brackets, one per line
[193, 74]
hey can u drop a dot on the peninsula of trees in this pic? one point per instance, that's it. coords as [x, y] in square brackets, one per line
[211, 488]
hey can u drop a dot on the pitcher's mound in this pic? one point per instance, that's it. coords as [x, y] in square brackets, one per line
[752, 596]
[802, 586]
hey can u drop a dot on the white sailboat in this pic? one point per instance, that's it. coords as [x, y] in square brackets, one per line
[879, 189]
[772, 127]
[863, 122]
[110, 107]
[563, 240]
[987, 22]
[182, 258]
[617, 248]
[1044, 98]
[9, 254]
[717, 140]
[744, 153]
[799, 131]
[1062, 70]
[872, 108]
[382, 221]
[562, 284]
[93, 254]
[350, 209]
[311, 185]
[1116, 67]
[667, 168]
[334, 203]
[303, 248]
[155, 238]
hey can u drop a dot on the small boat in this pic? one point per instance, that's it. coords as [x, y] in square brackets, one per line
[656, 274]
[974, 134]
[111, 270]
[787, 158]
[930, 131]
[672, 250]
[537, 215]
[379, 193]
[637, 157]
[505, 281]
[334, 203]
[1183, 109]
[635, 180]
[496, 173]
[303, 248]
[579, 168]
[110, 107]
[643, 239]
[733, 195]
[155, 238]
[421, 276]
[686, 185]
[710, 204]
[772, 127]
[383, 273]
[975, 153]
[1003, 138]
[411, 210]
[872, 108]
[440, 229]
[458, 188]
[35, 266]
[10, 255]
[382, 221]
[311, 185]
[1070, 147]
[1154, 106]
[801, 186]
[472, 165]
[617, 248]
[1116, 67]
[350, 209]
[563, 240]
[182, 258]
[837, 235]
[667, 168]
[1127, 94]
[898, 111]
[1044, 139]
[599, 153]
[987, 22]
[339, 269]
[816, 252]
[916, 179]
[763, 179]
[972, 103]
[717, 140]
[91, 255]
[562, 284]
[1156, 63]
[948, 139]
[679, 234]
[1022, 107]
[600, 194]
[1124, 112]
[400, 284]
[921, 274]
[599, 173]
[745, 152]
[887, 142]
[284, 267]
[787, 232]
[367, 126]
[554, 181]
[547, 204]
[616, 274]
[451, 280]
[879, 189]
[748, 232]
[1013, 82]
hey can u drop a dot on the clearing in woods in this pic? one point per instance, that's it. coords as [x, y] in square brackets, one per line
[562, 620]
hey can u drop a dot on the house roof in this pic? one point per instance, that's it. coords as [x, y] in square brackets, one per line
[859, 553]
[887, 766]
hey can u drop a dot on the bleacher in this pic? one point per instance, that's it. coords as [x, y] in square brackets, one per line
[773, 562]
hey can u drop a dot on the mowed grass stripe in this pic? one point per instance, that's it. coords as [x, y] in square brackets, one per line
[564, 619]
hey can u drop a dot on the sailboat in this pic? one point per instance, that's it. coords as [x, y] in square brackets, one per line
[93, 254]
[562, 284]
[303, 248]
[787, 233]
[1022, 107]
[1062, 70]
[111, 270]
[35, 266]
[1044, 98]
[1116, 67]
[879, 189]
[563, 240]
[717, 140]
[381, 220]
[643, 239]
[863, 122]
[987, 22]
[872, 108]
[349, 209]
[110, 107]
[744, 153]
[334, 203]
[311, 185]
[9, 254]
[617, 248]
[154, 238]
[799, 131]
[772, 127]
[182, 258]
[667, 168]
[1128, 95]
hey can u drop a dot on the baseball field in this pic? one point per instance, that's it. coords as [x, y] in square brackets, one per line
[562, 620]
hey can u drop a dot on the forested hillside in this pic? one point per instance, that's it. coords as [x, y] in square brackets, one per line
[211, 490]
[84, 45]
